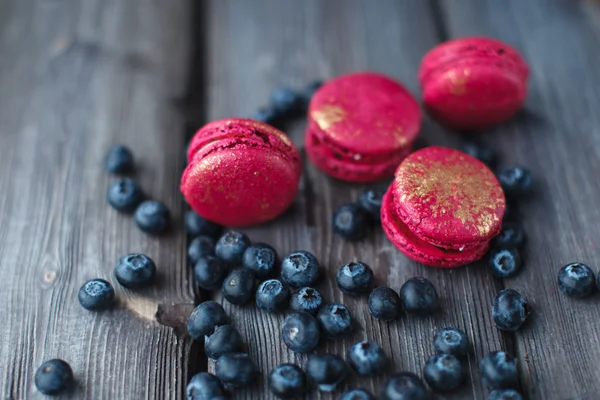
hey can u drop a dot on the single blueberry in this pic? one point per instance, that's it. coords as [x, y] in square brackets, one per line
[261, 259]
[125, 195]
[152, 217]
[265, 114]
[384, 304]
[96, 294]
[231, 247]
[350, 222]
[451, 341]
[403, 386]
[355, 278]
[238, 287]
[236, 369]
[326, 370]
[119, 160]
[515, 181]
[511, 236]
[576, 280]
[505, 394]
[288, 381]
[285, 101]
[209, 273]
[205, 318]
[272, 296]
[201, 246]
[443, 372]
[356, 394]
[498, 370]
[307, 299]
[505, 263]
[54, 377]
[204, 386]
[195, 226]
[335, 320]
[300, 332]
[222, 340]
[483, 154]
[135, 271]
[367, 358]
[370, 202]
[299, 269]
[419, 296]
[509, 310]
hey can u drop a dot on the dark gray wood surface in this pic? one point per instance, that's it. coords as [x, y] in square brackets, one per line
[76, 77]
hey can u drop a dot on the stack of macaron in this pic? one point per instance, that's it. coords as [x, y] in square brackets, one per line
[443, 207]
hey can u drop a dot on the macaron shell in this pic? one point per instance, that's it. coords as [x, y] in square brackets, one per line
[366, 113]
[416, 249]
[353, 171]
[448, 198]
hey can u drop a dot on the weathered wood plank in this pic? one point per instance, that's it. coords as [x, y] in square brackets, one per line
[296, 43]
[558, 138]
[76, 77]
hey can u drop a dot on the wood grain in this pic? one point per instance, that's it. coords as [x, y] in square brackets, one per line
[296, 43]
[75, 78]
[558, 138]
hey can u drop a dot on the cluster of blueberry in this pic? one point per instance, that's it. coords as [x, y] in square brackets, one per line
[126, 195]
[352, 220]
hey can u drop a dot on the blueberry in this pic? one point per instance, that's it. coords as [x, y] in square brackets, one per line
[287, 381]
[515, 181]
[266, 114]
[576, 280]
[498, 370]
[119, 160]
[505, 263]
[204, 386]
[236, 369]
[272, 296]
[205, 318]
[307, 299]
[511, 236]
[326, 370]
[238, 287]
[300, 332]
[419, 296]
[201, 246]
[222, 340]
[335, 320]
[367, 358]
[300, 269]
[53, 377]
[370, 202]
[355, 278]
[350, 222]
[451, 341]
[481, 153]
[443, 372]
[195, 226]
[96, 294]
[285, 101]
[261, 259]
[209, 273]
[152, 217]
[125, 195]
[356, 394]
[135, 271]
[506, 394]
[509, 310]
[403, 386]
[231, 247]
[384, 304]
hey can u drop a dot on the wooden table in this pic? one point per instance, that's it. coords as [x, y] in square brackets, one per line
[78, 76]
